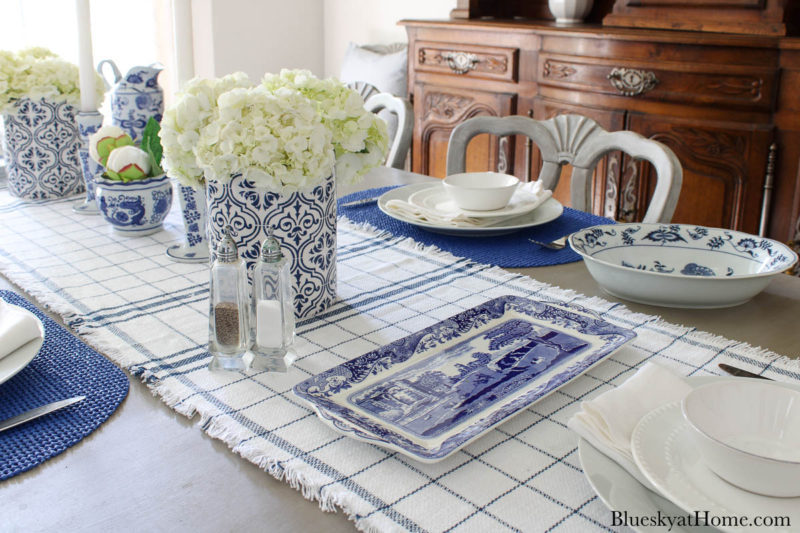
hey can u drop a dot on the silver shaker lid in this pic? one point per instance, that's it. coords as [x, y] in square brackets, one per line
[271, 249]
[227, 252]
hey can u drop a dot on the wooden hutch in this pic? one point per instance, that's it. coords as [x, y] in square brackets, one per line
[718, 81]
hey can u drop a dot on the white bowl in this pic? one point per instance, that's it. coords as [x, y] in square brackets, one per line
[677, 265]
[748, 432]
[480, 191]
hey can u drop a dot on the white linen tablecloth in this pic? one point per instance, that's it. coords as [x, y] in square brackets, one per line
[148, 314]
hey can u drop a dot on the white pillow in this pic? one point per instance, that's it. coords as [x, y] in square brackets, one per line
[384, 66]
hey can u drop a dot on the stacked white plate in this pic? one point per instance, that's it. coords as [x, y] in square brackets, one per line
[514, 217]
[666, 453]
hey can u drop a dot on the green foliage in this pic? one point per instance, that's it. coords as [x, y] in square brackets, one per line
[151, 143]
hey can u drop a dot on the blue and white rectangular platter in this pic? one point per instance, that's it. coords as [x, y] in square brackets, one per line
[429, 394]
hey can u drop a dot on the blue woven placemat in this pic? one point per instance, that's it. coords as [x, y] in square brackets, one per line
[512, 250]
[63, 368]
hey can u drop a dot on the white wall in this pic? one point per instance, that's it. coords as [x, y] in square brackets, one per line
[372, 22]
[257, 36]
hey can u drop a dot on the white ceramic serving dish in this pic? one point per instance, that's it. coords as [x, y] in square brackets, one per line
[480, 191]
[677, 265]
[748, 434]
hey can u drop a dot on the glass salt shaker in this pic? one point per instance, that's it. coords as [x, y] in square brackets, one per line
[228, 324]
[272, 309]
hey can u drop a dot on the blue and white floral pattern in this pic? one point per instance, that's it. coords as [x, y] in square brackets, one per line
[433, 391]
[135, 208]
[767, 254]
[88, 124]
[135, 98]
[41, 144]
[304, 223]
[193, 209]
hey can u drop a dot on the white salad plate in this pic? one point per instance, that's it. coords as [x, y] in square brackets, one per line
[437, 199]
[14, 362]
[548, 211]
[431, 393]
[666, 452]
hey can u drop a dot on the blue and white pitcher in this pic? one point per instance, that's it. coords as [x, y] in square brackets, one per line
[135, 97]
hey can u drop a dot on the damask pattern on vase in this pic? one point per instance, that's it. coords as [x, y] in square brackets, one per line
[303, 222]
[41, 144]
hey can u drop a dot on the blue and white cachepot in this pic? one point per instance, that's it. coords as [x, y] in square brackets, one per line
[135, 97]
[135, 208]
[193, 208]
[304, 223]
[41, 144]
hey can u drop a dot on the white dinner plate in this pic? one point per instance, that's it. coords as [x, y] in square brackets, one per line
[550, 210]
[436, 198]
[620, 491]
[664, 450]
[11, 364]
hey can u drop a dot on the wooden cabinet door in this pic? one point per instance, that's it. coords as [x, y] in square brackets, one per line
[724, 165]
[438, 109]
[605, 186]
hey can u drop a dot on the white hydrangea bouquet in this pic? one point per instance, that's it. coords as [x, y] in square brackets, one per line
[37, 73]
[286, 134]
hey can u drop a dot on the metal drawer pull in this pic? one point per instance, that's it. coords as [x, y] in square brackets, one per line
[632, 82]
[460, 62]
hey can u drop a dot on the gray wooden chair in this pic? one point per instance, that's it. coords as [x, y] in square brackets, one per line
[581, 142]
[401, 141]
[363, 88]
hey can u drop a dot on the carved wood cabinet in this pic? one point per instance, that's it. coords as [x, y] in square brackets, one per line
[728, 105]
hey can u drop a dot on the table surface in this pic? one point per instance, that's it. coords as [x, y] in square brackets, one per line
[151, 468]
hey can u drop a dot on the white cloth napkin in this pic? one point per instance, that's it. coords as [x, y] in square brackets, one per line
[531, 193]
[17, 327]
[607, 421]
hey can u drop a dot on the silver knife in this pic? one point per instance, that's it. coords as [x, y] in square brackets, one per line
[732, 370]
[37, 412]
[363, 201]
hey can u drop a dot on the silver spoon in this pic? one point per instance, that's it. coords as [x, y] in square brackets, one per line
[557, 244]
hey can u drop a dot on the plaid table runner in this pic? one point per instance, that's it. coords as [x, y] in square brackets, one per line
[148, 314]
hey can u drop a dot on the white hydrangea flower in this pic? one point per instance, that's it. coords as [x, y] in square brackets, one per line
[195, 107]
[285, 134]
[37, 73]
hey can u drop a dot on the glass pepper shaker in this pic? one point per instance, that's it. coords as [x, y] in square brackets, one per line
[228, 323]
[272, 309]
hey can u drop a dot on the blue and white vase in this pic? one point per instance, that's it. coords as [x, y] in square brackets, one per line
[41, 147]
[135, 208]
[88, 124]
[193, 207]
[135, 97]
[304, 223]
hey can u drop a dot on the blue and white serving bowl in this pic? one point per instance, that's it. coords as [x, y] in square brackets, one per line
[134, 208]
[679, 265]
